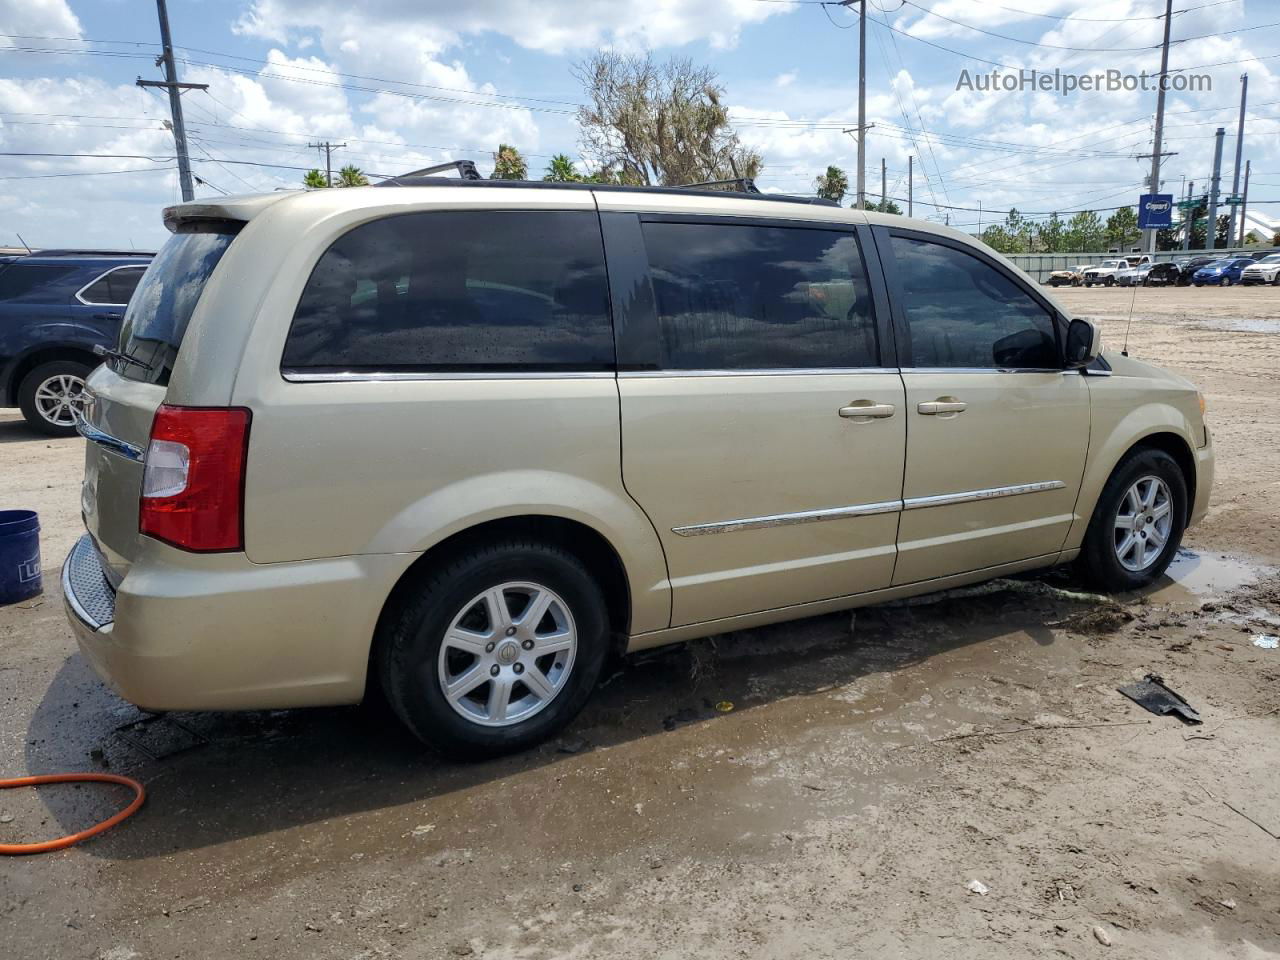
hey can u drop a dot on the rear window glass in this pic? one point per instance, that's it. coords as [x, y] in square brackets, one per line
[161, 306]
[36, 282]
[457, 291]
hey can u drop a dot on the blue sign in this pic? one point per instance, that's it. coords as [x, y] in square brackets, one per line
[1155, 210]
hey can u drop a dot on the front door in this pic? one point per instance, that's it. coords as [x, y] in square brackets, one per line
[762, 432]
[997, 430]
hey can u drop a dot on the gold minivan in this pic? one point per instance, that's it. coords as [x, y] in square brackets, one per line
[465, 439]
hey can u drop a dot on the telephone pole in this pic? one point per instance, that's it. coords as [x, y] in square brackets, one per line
[1235, 180]
[328, 149]
[1211, 228]
[175, 89]
[862, 98]
[1149, 241]
[884, 192]
[911, 164]
[1244, 201]
[1188, 217]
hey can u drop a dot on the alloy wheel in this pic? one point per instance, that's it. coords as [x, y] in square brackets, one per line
[60, 398]
[1143, 523]
[507, 654]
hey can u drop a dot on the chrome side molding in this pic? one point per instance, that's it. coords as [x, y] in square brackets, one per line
[114, 444]
[864, 509]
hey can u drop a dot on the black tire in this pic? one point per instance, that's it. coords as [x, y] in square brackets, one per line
[1275, 281]
[1110, 281]
[31, 383]
[408, 649]
[1225, 282]
[1098, 559]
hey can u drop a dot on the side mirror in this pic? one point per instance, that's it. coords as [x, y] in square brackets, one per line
[1084, 344]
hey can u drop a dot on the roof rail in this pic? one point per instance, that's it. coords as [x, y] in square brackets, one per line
[744, 184]
[466, 171]
[74, 252]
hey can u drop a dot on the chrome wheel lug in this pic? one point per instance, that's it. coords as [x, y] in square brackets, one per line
[493, 671]
[518, 668]
[488, 648]
[528, 644]
[511, 631]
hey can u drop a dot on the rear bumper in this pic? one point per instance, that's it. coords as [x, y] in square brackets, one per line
[1204, 480]
[217, 632]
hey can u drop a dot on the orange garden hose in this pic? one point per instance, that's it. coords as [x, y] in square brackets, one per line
[16, 849]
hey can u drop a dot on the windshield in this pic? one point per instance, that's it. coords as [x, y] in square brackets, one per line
[157, 316]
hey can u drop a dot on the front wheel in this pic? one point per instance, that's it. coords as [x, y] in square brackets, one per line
[1110, 281]
[52, 395]
[1225, 282]
[1137, 523]
[496, 650]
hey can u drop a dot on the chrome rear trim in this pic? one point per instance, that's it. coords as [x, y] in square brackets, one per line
[106, 440]
[85, 586]
[971, 496]
[788, 519]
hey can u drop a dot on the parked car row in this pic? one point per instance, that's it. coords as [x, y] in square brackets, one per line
[1193, 271]
[56, 306]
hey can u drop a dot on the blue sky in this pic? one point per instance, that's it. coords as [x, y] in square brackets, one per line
[445, 80]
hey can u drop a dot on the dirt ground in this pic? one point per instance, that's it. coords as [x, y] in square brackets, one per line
[870, 769]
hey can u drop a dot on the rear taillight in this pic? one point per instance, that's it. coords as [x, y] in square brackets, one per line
[193, 478]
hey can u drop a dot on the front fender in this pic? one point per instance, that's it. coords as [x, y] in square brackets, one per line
[516, 493]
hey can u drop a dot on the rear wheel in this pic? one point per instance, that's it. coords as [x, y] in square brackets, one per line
[52, 395]
[1226, 281]
[1137, 523]
[496, 650]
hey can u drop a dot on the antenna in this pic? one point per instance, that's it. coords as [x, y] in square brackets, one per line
[1124, 352]
[23, 242]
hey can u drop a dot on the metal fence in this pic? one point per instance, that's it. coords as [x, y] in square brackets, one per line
[1040, 265]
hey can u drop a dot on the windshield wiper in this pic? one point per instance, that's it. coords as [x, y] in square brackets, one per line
[120, 355]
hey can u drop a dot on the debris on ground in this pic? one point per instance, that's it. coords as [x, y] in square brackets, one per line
[724, 706]
[1102, 936]
[978, 887]
[571, 744]
[1152, 695]
[1266, 641]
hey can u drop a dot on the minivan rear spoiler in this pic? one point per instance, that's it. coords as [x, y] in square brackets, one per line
[243, 208]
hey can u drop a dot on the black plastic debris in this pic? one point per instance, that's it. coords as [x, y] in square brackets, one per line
[1151, 694]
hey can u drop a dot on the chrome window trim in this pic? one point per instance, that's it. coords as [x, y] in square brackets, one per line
[972, 496]
[761, 372]
[788, 519]
[968, 370]
[95, 303]
[864, 509]
[108, 442]
[403, 376]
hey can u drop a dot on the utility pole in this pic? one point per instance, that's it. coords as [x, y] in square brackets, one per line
[862, 99]
[1211, 228]
[1235, 180]
[1244, 200]
[979, 219]
[175, 89]
[1149, 241]
[884, 193]
[911, 172]
[328, 149]
[1188, 217]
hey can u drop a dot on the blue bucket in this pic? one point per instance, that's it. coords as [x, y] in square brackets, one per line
[19, 555]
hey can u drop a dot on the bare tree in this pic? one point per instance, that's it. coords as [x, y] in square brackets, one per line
[659, 123]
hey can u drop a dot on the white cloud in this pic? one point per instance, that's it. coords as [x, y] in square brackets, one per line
[549, 27]
[37, 18]
[785, 79]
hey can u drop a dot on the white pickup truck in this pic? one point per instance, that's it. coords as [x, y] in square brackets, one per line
[1105, 272]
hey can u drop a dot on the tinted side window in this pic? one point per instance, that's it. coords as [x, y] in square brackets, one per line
[97, 292]
[472, 290]
[123, 282]
[750, 297]
[965, 313]
[36, 282]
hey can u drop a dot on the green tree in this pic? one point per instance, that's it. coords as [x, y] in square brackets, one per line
[832, 185]
[659, 123]
[885, 206]
[508, 164]
[314, 180]
[1000, 240]
[562, 170]
[1051, 234]
[1084, 233]
[1122, 228]
[352, 176]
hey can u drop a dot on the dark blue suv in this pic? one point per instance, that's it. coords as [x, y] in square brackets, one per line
[55, 307]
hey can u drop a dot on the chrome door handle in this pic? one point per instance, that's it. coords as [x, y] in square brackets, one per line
[932, 408]
[860, 409]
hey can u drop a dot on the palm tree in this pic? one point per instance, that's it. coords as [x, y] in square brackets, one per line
[352, 176]
[314, 180]
[561, 170]
[832, 185]
[508, 164]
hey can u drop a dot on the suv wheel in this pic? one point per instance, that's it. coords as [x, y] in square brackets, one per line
[1137, 524]
[1110, 281]
[496, 650]
[52, 394]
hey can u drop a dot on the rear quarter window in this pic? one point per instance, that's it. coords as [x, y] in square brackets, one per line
[458, 291]
[37, 282]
